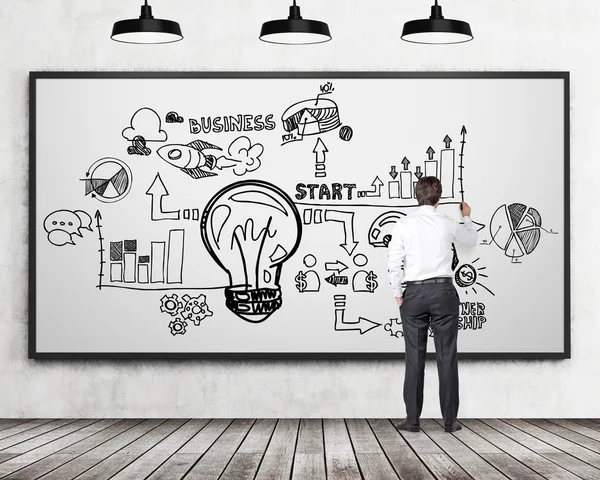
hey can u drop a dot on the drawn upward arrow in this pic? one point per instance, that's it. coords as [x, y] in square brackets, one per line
[158, 190]
[338, 267]
[393, 172]
[100, 239]
[430, 152]
[376, 192]
[320, 150]
[363, 325]
[418, 173]
[405, 163]
[347, 220]
[447, 141]
[463, 132]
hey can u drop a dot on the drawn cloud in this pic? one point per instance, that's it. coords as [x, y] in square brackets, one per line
[173, 117]
[145, 123]
[248, 155]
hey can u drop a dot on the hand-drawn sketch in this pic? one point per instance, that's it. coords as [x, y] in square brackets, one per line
[376, 192]
[108, 180]
[363, 325]
[195, 309]
[98, 217]
[157, 191]
[380, 233]
[147, 124]
[347, 220]
[177, 326]
[200, 159]
[61, 225]
[336, 280]
[171, 305]
[251, 250]
[320, 152]
[173, 117]
[346, 133]
[468, 275]
[472, 316]
[364, 281]
[308, 281]
[138, 147]
[394, 326]
[516, 229]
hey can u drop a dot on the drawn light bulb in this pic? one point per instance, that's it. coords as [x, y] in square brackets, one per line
[250, 229]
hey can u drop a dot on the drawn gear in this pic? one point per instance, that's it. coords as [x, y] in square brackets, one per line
[171, 305]
[195, 309]
[177, 327]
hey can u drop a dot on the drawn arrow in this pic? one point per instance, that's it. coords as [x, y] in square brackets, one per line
[463, 132]
[430, 152]
[418, 173]
[447, 141]
[100, 239]
[376, 192]
[338, 267]
[393, 172]
[320, 148]
[158, 190]
[405, 163]
[363, 325]
[346, 219]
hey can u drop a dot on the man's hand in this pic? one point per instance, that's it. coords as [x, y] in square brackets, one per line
[399, 301]
[465, 210]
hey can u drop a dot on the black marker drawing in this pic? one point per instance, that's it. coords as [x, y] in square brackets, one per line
[346, 133]
[308, 281]
[320, 152]
[145, 123]
[363, 325]
[394, 326]
[175, 256]
[250, 229]
[418, 173]
[472, 316]
[144, 259]
[157, 191]
[62, 225]
[380, 233]
[376, 192]
[393, 172]
[177, 326]
[447, 141]
[360, 260]
[116, 251]
[108, 180]
[463, 133]
[130, 245]
[157, 262]
[138, 147]
[200, 159]
[171, 305]
[336, 266]
[364, 281]
[347, 220]
[195, 309]
[336, 280]
[173, 117]
[469, 275]
[430, 152]
[516, 229]
[98, 217]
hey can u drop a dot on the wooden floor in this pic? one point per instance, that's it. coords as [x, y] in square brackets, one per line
[137, 449]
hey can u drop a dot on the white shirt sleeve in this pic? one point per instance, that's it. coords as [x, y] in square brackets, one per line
[396, 260]
[465, 234]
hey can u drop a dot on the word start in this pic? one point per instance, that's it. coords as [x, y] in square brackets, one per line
[324, 191]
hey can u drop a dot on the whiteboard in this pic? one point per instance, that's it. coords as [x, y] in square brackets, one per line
[183, 215]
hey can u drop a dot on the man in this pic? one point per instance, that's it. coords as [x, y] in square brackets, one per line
[420, 253]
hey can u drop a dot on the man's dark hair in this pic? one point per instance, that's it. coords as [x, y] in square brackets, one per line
[428, 190]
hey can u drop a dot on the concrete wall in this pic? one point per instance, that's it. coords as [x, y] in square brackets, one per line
[222, 35]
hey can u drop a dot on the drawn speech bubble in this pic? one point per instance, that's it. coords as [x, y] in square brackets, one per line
[60, 238]
[85, 219]
[64, 220]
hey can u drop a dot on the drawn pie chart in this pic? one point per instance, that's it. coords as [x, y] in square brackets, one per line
[516, 229]
[108, 180]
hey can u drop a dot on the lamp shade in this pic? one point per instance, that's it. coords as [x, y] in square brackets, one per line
[436, 29]
[146, 29]
[295, 30]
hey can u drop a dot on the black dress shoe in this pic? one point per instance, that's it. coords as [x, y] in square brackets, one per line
[455, 427]
[408, 427]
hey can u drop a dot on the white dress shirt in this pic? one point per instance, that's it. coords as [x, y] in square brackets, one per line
[422, 244]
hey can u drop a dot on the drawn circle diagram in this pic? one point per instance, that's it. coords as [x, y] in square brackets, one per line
[466, 275]
[109, 180]
[516, 229]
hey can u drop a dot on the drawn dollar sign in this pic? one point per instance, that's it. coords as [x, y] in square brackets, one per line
[371, 283]
[467, 275]
[301, 281]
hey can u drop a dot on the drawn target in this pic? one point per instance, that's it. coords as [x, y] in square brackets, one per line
[108, 180]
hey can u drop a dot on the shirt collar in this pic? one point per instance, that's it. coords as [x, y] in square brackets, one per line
[427, 209]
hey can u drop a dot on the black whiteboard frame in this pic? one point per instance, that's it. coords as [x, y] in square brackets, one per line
[34, 354]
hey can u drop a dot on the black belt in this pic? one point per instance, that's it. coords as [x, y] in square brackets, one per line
[431, 280]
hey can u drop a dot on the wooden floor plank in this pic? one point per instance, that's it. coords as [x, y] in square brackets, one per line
[310, 437]
[213, 462]
[7, 456]
[577, 427]
[575, 465]
[339, 456]
[115, 463]
[511, 467]
[29, 434]
[371, 459]
[470, 461]
[132, 430]
[586, 423]
[12, 422]
[572, 435]
[243, 466]
[405, 462]
[185, 458]
[309, 466]
[279, 457]
[23, 427]
[157, 455]
[41, 460]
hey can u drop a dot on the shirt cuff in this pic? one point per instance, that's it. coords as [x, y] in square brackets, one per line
[467, 219]
[397, 292]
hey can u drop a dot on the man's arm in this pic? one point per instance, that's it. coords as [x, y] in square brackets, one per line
[396, 261]
[466, 234]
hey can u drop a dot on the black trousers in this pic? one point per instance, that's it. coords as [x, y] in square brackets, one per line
[438, 304]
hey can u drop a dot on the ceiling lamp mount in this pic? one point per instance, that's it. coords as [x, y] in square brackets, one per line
[436, 29]
[295, 30]
[146, 29]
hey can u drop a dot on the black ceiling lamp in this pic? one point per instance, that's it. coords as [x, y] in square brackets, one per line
[437, 29]
[295, 30]
[146, 29]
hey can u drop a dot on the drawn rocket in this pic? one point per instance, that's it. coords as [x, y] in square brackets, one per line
[198, 159]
